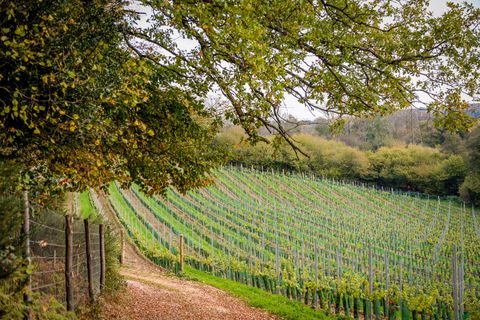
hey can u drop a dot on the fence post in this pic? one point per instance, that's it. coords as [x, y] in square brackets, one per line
[387, 284]
[181, 253]
[455, 284]
[102, 256]
[26, 232]
[370, 280]
[315, 295]
[122, 240]
[89, 260]
[69, 260]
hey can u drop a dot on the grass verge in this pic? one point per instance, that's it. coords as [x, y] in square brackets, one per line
[275, 304]
[87, 211]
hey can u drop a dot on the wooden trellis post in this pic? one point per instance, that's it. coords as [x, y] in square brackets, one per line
[122, 244]
[101, 238]
[316, 274]
[26, 232]
[456, 313]
[387, 284]
[370, 280]
[89, 260]
[181, 252]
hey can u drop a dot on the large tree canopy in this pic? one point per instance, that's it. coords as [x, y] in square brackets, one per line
[88, 96]
[76, 106]
[347, 57]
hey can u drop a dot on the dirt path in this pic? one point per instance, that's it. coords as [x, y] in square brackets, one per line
[153, 294]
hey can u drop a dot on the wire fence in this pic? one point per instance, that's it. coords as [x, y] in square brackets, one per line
[48, 255]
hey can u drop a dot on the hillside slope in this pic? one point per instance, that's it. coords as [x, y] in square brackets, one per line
[152, 293]
[344, 248]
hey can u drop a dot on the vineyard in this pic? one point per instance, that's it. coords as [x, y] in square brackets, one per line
[346, 248]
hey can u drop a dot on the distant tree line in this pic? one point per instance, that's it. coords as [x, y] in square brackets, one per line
[442, 169]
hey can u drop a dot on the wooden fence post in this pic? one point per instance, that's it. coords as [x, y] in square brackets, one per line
[370, 280]
[69, 260]
[387, 284]
[89, 260]
[315, 295]
[122, 244]
[181, 253]
[102, 256]
[26, 232]
[455, 284]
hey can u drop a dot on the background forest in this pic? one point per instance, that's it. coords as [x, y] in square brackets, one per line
[403, 150]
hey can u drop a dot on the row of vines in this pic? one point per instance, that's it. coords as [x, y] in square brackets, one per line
[348, 249]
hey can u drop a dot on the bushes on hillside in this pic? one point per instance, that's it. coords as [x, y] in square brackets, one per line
[326, 158]
[414, 168]
[332, 159]
[417, 168]
[470, 189]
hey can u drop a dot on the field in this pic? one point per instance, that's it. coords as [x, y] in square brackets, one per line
[345, 248]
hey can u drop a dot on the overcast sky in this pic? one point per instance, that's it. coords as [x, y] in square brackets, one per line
[439, 6]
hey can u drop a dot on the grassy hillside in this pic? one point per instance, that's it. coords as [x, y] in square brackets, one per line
[341, 247]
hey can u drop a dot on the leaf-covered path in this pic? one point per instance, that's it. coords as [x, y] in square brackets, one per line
[153, 294]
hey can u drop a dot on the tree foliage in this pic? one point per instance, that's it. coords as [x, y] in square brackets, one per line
[88, 96]
[470, 189]
[78, 107]
[344, 57]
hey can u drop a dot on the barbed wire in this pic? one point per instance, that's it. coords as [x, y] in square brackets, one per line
[48, 255]
[43, 243]
[48, 285]
[46, 227]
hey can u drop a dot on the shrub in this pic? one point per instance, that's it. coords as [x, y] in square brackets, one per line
[470, 188]
[417, 168]
[333, 159]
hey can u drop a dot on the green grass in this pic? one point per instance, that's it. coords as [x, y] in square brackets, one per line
[257, 298]
[87, 211]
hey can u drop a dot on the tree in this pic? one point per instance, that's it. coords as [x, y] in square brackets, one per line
[470, 189]
[87, 96]
[77, 108]
[340, 56]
